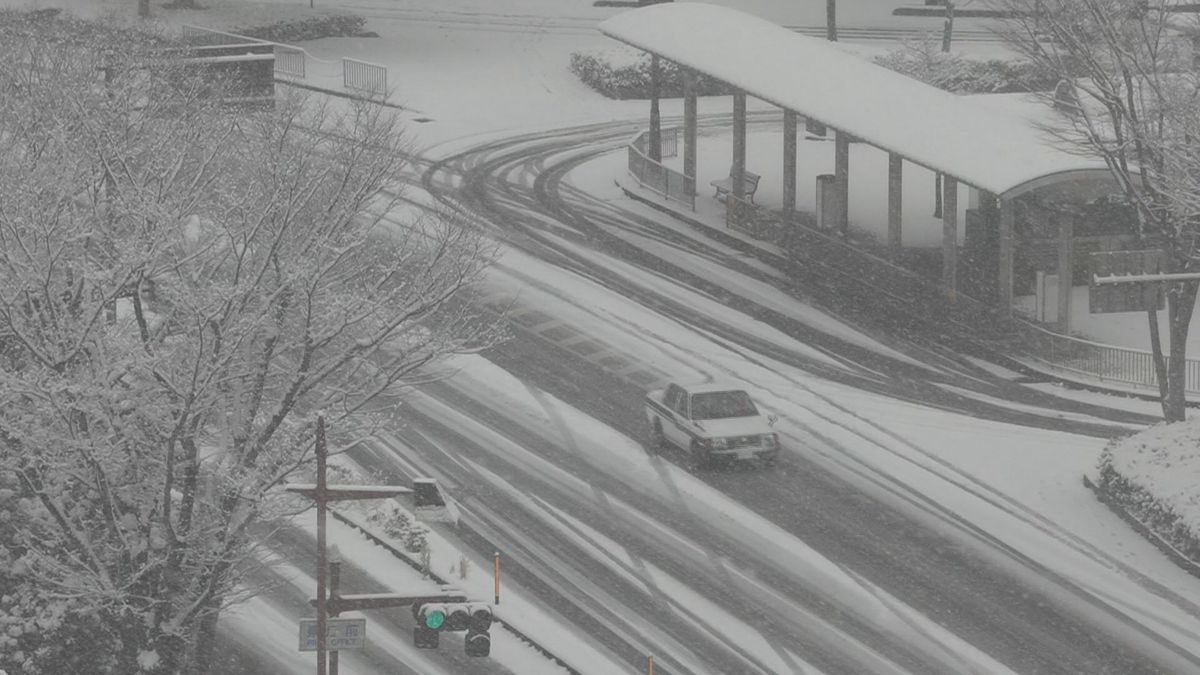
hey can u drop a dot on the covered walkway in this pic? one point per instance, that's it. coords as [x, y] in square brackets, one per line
[1000, 156]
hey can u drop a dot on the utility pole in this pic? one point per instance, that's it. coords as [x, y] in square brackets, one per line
[322, 493]
[831, 20]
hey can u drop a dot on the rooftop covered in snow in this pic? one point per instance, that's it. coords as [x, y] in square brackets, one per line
[993, 150]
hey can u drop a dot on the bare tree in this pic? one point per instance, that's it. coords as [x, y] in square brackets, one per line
[1128, 66]
[182, 284]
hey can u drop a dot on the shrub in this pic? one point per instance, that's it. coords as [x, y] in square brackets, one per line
[626, 75]
[1142, 505]
[309, 28]
[963, 75]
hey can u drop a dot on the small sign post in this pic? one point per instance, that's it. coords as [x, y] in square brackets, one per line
[349, 633]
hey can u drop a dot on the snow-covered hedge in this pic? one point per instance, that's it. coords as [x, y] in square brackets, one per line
[1155, 476]
[966, 75]
[310, 28]
[624, 73]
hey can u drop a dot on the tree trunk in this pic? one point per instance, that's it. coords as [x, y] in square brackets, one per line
[948, 26]
[144, 9]
[1160, 364]
[1181, 300]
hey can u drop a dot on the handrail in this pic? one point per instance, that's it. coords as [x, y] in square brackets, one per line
[656, 176]
[1105, 362]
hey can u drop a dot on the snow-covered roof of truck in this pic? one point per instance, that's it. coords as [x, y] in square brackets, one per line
[990, 149]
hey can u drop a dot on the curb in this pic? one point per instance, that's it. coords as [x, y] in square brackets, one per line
[1176, 556]
[403, 557]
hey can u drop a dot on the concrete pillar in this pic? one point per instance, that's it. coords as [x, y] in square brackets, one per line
[654, 151]
[1004, 277]
[689, 125]
[738, 171]
[789, 164]
[949, 233]
[1066, 255]
[895, 203]
[841, 179]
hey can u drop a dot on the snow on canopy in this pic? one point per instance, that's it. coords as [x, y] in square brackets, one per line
[990, 149]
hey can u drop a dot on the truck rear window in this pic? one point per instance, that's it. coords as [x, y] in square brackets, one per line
[716, 405]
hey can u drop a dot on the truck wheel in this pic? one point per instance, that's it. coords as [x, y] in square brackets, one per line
[699, 457]
[656, 434]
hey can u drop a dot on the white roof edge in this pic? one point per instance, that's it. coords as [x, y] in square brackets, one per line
[925, 125]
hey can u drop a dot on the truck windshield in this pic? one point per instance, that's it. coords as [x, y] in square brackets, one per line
[720, 404]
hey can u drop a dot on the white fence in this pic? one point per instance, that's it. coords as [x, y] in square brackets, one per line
[365, 77]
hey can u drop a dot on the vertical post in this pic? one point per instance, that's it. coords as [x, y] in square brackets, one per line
[496, 574]
[689, 125]
[650, 665]
[949, 234]
[738, 172]
[655, 150]
[841, 180]
[831, 20]
[321, 562]
[895, 204]
[789, 165]
[335, 575]
[1066, 264]
[1004, 278]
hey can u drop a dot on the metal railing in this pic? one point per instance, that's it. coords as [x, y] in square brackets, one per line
[671, 184]
[1104, 362]
[289, 60]
[364, 76]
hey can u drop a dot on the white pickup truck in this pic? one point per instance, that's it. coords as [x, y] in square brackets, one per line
[711, 422]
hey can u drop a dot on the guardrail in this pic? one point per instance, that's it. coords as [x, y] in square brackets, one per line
[1104, 362]
[365, 77]
[656, 176]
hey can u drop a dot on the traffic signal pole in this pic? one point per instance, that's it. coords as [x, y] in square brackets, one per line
[320, 495]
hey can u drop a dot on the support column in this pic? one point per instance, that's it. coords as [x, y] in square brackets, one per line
[841, 180]
[1066, 256]
[738, 170]
[949, 233]
[1004, 276]
[789, 165]
[654, 152]
[689, 125]
[895, 202]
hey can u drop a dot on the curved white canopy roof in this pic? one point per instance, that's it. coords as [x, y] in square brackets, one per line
[990, 149]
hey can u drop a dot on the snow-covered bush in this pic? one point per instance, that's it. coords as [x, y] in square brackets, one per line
[624, 73]
[399, 525]
[310, 28]
[1155, 476]
[965, 75]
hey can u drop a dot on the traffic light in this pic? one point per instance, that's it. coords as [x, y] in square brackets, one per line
[430, 620]
[473, 617]
[478, 642]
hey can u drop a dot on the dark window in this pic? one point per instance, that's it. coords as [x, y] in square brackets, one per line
[721, 404]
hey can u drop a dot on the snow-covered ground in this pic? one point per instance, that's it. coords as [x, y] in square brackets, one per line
[472, 79]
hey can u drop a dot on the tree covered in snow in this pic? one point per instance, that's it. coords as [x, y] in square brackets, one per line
[183, 283]
[1130, 95]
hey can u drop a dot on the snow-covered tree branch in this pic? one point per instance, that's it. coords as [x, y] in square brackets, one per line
[182, 284]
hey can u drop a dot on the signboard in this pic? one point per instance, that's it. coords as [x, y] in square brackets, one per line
[1124, 297]
[339, 634]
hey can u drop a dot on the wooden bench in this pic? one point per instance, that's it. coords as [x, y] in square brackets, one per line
[724, 186]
